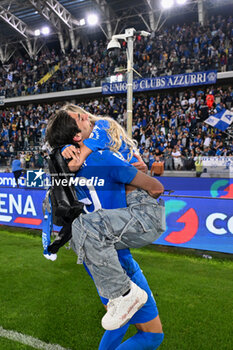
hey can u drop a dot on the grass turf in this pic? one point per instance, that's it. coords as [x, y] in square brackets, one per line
[57, 303]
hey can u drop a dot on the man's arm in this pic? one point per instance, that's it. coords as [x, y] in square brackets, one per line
[123, 172]
[148, 183]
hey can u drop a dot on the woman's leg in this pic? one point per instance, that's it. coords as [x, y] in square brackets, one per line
[90, 242]
[95, 237]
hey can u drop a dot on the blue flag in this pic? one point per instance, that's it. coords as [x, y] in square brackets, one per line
[221, 120]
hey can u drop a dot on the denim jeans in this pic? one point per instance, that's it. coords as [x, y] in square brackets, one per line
[97, 235]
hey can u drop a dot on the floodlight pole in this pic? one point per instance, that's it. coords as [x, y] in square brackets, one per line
[129, 37]
[201, 12]
[130, 42]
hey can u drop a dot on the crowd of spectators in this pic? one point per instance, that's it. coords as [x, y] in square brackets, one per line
[171, 128]
[178, 49]
[22, 131]
[168, 128]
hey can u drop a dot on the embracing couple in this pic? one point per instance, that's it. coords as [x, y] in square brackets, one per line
[121, 214]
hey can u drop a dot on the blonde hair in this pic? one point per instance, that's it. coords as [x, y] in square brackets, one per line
[115, 131]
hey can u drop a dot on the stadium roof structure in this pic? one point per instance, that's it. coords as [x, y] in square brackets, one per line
[20, 18]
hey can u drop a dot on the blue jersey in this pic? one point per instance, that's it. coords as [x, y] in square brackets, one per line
[99, 139]
[102, 178]
[116, 172]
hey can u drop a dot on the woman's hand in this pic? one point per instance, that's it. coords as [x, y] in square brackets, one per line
[71, 152]
[140, 165]
[74, 165]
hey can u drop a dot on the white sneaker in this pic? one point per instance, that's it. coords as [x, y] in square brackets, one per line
[121, 309]
[51, 257]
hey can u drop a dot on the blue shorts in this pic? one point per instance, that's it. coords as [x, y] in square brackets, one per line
[149, 311]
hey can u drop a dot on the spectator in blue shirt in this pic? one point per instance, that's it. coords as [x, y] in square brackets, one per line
[16, 169]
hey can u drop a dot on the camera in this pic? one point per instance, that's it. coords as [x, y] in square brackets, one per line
[114, 47]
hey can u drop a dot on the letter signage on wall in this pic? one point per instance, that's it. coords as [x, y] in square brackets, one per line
[158, 83]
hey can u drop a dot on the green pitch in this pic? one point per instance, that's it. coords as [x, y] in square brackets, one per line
[56, 302]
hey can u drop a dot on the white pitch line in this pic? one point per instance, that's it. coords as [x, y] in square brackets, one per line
[28, 340]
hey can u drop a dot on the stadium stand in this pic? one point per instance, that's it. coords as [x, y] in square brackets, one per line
[178, 49]
[87, 53]
[168, 128]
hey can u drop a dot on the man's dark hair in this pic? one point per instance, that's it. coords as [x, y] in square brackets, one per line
[61, 129]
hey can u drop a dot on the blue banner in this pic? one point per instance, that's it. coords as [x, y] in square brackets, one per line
[199, 186]
[21, 207]
[205, 224]
[166, 82]
[30, 179]
[198, 223]
[8, 180]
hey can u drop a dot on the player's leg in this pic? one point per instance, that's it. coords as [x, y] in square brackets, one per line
[149, 336]
[153, 326]
[112, 339]
[150, 333]
[142, 341]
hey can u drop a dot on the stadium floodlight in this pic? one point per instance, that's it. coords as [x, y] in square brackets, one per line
[92, 19]
[167, 4]
[37, 32]
[181, 2]
[45, 30]
[82, 22]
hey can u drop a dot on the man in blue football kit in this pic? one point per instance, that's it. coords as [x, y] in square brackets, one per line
[109, 194]
[112, 195]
